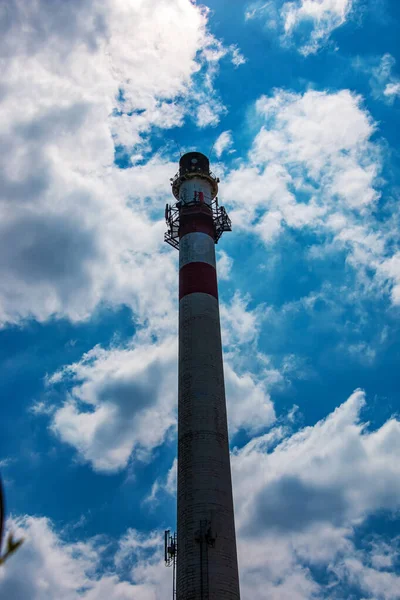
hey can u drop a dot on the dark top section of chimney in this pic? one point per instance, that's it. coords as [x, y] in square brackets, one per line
[192, 162]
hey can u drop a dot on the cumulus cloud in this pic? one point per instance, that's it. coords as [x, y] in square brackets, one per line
[249, 374]
[307, 23]
[224, 142]
[362, 571]
[206, 115]
[240, 324]
[314, 166]
[325, 17]
[301, 152]
[49, 566]
[250, 404]
[80, 80]
[298, 500]
[121, 401]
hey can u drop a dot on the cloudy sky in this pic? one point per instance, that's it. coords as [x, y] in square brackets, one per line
[298, 104]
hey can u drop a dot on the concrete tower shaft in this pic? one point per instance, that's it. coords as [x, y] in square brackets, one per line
[206, 543]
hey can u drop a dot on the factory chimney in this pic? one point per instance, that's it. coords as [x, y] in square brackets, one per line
[204, 549]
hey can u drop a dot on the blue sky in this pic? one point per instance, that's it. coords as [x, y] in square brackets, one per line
[298, 105]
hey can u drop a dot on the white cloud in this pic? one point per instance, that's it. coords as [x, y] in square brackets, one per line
[303, 151]
[237, 57]
[224, 265]
[390, 268]
[384, 84]
[122, 402]
[365, 353]
[166, 485]
[78, 78]
[309, 123]
[47, 566]
[249, 403]
[42, 568]
[207, 116]
[298, 499]
[269, 11]
[372, 581]
[325, 16]
[224, 142]
[307, 23]
[249, 375]
[392, 90]
[239, 325]
[313, 165]
[383, 555]
[40, 407]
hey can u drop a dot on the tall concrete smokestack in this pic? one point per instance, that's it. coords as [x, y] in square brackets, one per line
[206, 543]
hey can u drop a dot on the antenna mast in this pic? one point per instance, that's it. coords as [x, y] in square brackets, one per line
[170, 549]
